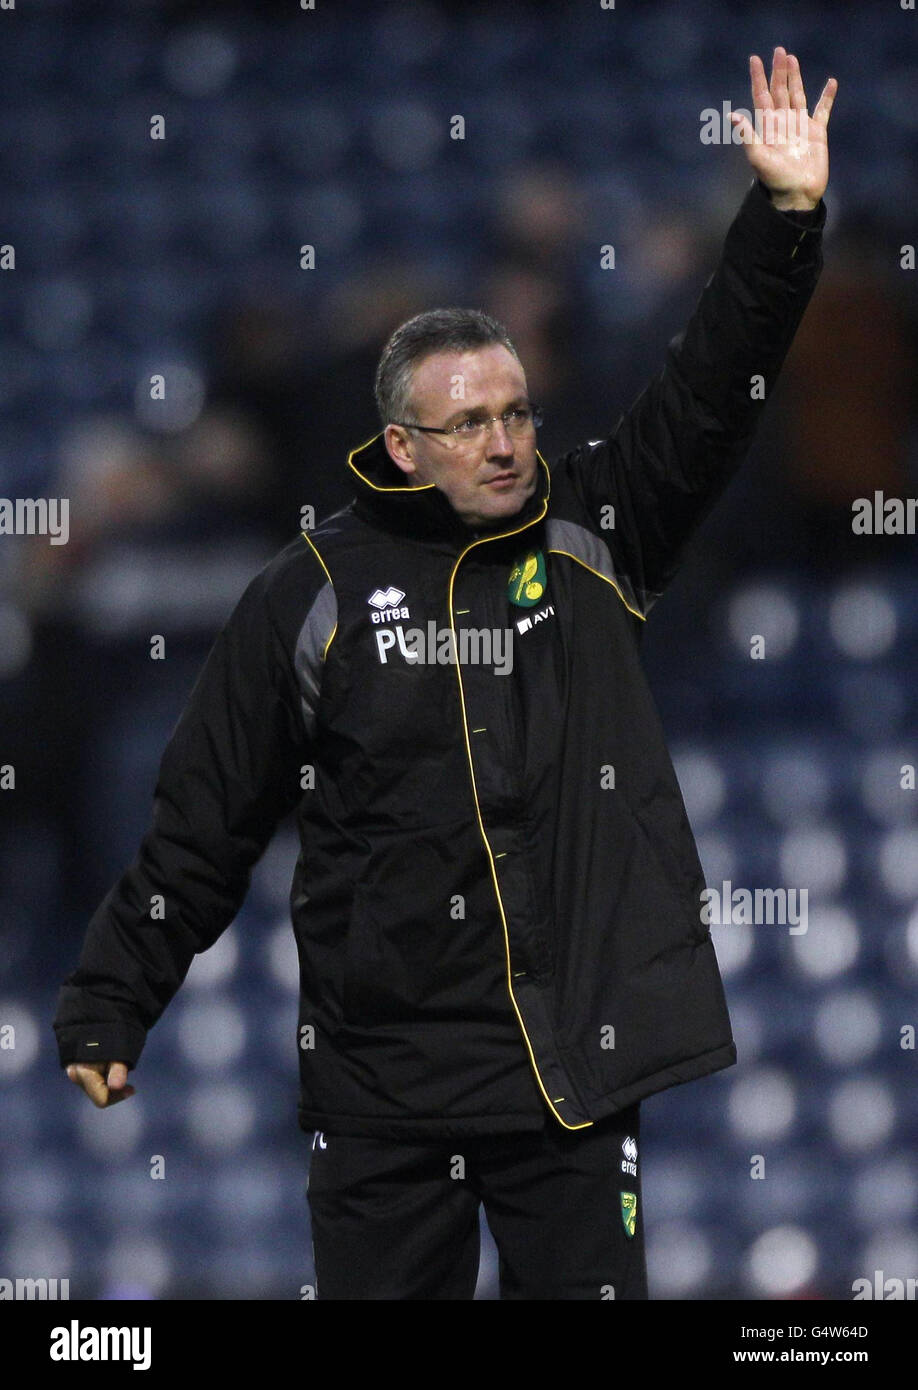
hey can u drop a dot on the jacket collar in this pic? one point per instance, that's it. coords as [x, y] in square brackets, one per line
[425, 512]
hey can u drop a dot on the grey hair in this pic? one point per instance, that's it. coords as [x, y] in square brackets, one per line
[436, 330]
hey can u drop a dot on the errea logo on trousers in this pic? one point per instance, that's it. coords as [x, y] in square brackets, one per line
[384, 603]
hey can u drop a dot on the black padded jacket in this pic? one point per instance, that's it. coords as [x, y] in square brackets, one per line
[497, 902]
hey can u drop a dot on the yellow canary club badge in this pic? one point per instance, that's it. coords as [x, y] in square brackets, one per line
[528, 581]
[629, 1211]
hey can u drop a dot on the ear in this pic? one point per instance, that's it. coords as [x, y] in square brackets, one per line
[399, 447]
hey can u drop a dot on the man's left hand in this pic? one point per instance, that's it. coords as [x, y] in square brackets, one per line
[788, 149]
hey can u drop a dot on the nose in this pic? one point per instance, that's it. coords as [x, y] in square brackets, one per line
[499, 441]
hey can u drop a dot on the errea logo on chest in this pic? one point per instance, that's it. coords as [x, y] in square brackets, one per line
[384, 605]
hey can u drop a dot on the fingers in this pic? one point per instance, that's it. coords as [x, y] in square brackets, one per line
[779, 66]
[777, 95]
[787, 86]
[795, 84]
[824, 104]
[90, 1076]
[761, 96]
[746, 129]
[117, 1075]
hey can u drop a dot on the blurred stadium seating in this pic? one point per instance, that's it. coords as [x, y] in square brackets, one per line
[333, 129]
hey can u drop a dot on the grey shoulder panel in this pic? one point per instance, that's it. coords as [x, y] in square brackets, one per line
[312, 645]
[583, 545]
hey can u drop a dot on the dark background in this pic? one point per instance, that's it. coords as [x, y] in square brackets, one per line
[331, 127]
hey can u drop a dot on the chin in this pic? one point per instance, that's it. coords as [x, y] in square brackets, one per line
[503, 508]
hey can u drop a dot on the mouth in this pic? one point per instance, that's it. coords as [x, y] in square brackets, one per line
[501, 480]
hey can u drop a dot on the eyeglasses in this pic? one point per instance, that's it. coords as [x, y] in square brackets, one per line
[517, 422]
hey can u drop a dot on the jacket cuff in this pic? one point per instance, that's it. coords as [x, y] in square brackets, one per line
[108, 1042]
[813, 218]
[783, 234]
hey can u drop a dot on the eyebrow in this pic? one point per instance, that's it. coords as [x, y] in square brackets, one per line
[466, 411]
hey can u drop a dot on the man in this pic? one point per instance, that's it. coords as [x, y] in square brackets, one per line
[497, 903]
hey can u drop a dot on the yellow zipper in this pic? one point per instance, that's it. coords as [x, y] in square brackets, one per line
[465, 727]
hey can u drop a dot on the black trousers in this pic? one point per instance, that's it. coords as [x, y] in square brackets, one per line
[394, 1220]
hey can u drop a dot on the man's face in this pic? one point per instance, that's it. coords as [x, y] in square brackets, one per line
[485, 481]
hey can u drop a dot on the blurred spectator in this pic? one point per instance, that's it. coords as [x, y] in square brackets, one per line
[308, 386]
[850, 398]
